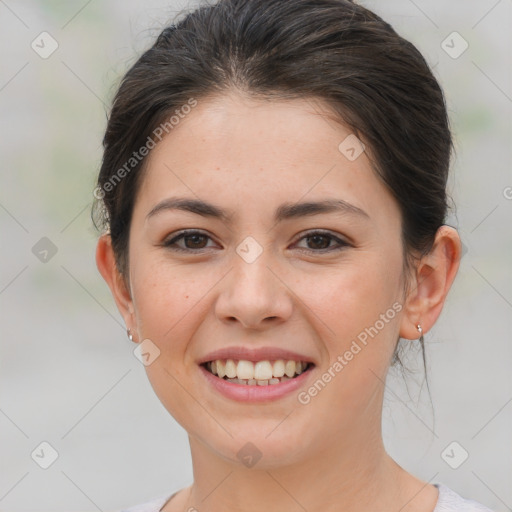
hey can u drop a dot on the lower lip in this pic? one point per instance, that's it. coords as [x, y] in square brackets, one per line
[255, 393]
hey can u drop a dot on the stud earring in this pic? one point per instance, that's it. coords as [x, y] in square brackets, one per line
[420, 330]
[130, 335]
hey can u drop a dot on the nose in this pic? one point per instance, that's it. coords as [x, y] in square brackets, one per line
[254, 294]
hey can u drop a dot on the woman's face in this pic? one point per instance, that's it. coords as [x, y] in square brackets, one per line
[255, 280]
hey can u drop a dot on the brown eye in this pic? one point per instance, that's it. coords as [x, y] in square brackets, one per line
[195, 241]
[320, 241]
[192, 241]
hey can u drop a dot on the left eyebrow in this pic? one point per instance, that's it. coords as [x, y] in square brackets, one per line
[285, 211]
[292, 210]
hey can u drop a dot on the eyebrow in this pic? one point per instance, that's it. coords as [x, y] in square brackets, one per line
[285, 212]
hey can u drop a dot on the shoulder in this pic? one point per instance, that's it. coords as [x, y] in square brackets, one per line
[153, 505]
[450, 501]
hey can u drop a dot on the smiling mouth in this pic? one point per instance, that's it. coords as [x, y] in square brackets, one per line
[260, 373]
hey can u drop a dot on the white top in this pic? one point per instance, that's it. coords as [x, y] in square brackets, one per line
[448, 501]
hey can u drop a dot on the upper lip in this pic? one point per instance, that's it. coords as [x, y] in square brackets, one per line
[254, 354]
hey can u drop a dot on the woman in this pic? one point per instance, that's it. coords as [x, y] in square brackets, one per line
[273, 191]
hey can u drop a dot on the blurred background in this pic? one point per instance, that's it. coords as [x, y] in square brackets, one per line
[72, 395]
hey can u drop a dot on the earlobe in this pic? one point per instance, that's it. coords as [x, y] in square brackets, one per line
[105, 261]
[434, 276]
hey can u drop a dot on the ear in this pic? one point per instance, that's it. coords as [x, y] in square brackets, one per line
[431, 282]
[105, 261]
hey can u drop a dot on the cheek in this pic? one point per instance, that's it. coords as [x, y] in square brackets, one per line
[169, 301]
[349, 301]
[167, 298]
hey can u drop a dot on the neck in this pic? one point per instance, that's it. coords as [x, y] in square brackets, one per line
[359, 475]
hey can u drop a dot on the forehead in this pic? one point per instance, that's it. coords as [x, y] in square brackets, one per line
[254, 152]
[237, 127]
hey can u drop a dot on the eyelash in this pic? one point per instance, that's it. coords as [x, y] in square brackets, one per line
[171, 244]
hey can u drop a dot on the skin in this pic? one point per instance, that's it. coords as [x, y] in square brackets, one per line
[250, 156]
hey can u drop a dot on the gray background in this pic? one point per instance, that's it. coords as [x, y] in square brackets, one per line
[68, 375]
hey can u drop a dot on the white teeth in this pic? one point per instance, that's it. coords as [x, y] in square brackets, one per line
[289, 368]
[261, 373]
[278, 368]
[230, 369]
[245, 369]
[262, 370]
[221, 369]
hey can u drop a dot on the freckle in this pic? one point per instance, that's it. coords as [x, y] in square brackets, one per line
[186, 296]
